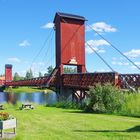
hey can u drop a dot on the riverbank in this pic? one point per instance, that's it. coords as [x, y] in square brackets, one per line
[49, 123]
[26, 89]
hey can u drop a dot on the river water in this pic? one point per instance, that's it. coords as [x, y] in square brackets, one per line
[36, 97]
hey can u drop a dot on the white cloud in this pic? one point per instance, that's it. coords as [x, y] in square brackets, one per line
[24, 43]
[14, 59]
[49, 25]
[89, 50]
[101, 27]
[134, 53]
[127, 64]
[101, 51]
[96, 45]
[120, 63]
[137, 63]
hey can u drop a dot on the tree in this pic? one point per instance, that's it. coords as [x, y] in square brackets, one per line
[45, 74]
[2, 75]
[29, 74]
[50, 69]
[16, 77]
[70, 70]
[40, 74]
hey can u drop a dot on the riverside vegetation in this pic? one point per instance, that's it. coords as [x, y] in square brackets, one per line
[107, 99]
[25, 89]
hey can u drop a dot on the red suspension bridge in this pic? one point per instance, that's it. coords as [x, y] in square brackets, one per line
[70, 50]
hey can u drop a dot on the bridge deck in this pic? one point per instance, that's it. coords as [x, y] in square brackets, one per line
[86, 80]
[83, 81]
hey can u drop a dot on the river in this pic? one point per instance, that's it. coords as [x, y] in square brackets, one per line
[36, 97]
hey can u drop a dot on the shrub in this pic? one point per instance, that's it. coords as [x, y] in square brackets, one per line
[131, 106]
[106, 98]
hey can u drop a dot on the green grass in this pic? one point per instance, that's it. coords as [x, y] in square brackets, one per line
[25, 89]
[48, 123]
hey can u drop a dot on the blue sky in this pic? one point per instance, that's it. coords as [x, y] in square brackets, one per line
[25, 24]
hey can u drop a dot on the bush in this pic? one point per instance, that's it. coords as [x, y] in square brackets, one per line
[104, 99]
[131, 106]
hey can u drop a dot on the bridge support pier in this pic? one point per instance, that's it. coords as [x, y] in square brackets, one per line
[79, 96]
[64, 94]
[69, 94]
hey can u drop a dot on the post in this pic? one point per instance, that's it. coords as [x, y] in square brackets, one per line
[2, 134]
[14, 130]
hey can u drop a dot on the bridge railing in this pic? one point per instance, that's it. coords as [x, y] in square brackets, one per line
[84, 80]
[31, 82]
[129, 80]
[89, 79]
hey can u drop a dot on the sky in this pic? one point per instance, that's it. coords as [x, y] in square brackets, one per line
[27, 38]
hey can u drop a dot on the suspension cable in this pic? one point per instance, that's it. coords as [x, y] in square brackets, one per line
[100, 57]
[44, 44]
[46, 53]
[48, 61]
[113, 46]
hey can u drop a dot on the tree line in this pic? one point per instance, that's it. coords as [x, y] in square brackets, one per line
[29, 73]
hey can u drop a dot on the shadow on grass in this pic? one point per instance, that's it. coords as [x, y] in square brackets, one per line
[77, 111]
[127, 115]
[133, 129]
[83, 112]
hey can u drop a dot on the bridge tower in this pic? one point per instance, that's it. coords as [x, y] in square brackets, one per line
[70, 41]
[8, 72]
[70, 44]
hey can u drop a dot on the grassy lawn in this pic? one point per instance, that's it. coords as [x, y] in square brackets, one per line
[25, 89]
[48, 123]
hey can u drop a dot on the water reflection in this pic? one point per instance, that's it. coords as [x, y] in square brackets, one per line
[36, 97]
